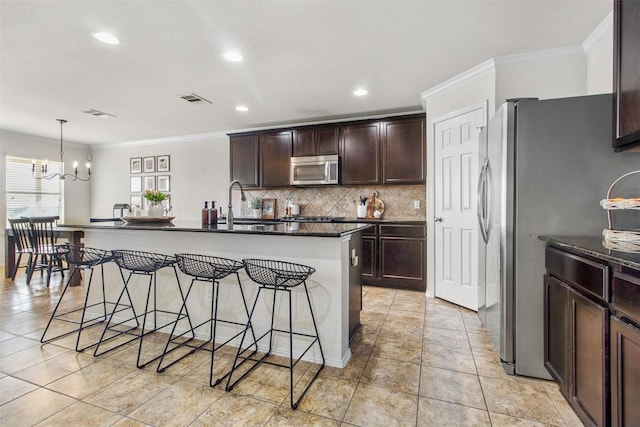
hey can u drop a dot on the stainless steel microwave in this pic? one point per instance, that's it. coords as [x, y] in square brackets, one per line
[315, 170]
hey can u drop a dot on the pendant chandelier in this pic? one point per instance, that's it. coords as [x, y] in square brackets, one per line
[44, 173]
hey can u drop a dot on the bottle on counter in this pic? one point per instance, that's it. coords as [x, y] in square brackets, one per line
[213, 214]
[205, 214]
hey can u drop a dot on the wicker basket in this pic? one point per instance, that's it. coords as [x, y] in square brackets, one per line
[619, 237]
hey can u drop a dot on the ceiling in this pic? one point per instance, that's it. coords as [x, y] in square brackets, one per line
[302, 59]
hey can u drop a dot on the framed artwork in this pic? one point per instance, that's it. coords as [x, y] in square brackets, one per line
[163, 182]
[269, 208]
[136, 184]
[136, 200]
[162, 163]
[135, 165]
[149, 183]
[149, 164]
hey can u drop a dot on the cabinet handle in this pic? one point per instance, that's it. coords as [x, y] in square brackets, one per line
[437, 219]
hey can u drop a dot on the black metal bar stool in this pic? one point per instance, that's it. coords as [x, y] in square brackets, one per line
[82, 258]
[208, 269]
[278, 276]
[144, 264]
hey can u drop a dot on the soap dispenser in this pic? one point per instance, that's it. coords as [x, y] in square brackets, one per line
[205, 214]
[213, 214]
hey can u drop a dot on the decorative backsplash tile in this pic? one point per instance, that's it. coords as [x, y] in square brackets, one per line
[342, 200]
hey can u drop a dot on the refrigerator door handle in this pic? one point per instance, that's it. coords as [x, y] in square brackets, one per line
[487, 200]
[482, 200]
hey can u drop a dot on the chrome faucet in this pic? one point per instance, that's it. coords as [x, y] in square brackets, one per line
[242, 197]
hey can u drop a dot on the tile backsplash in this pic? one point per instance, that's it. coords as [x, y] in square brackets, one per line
[342, 200]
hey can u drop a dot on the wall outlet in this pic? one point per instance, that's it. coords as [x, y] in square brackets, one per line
[416, 204]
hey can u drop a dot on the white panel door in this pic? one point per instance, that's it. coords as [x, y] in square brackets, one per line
[456, 147]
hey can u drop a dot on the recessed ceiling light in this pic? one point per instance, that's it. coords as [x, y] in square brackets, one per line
[232, 56]
[360, 92]
[242, 108]
[105, 38]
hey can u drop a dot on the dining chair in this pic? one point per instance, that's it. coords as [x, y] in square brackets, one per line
[22, 237]
[47, 255]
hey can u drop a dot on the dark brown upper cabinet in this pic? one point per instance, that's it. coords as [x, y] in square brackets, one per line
[244, 149]
[316, 141]
[275, 158]
[360, 153]
[626, 74]
[403, 150]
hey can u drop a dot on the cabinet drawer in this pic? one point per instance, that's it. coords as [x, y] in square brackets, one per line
[581, 273]
[402, 231]
[371, 231]
[626, 295]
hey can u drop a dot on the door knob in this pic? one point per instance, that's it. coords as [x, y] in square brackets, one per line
[437, 219]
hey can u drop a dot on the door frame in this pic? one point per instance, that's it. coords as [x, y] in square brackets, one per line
[431, 199]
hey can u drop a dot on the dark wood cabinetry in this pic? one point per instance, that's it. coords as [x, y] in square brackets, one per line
[316, 141]
[403, 150]
[625, 348]
[387, 151]
[626, 74]
[394, 256]
[360, 153]
[275, 158]
[576, 335]
[244, 152]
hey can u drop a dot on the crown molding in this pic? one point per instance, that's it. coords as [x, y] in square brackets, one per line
[602, 33]
[456, 80]
[165, 140]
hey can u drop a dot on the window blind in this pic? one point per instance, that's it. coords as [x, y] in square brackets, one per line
[27, 196]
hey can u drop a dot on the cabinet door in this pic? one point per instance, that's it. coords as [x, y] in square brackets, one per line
[403, 150]
[327, 140]
[304, 143]
[402, 261]
[589, 349]
[244, 157]
[369, 252]
[360, 149]
[625, 374]
[275, 158]
[556, 331]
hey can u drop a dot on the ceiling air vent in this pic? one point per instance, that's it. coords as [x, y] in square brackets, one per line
[99, 113]
[194, 99]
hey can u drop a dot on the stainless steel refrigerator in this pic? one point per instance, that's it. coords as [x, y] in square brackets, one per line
[544, 166]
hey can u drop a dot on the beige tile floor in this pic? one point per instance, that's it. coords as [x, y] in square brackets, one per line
[416, 362]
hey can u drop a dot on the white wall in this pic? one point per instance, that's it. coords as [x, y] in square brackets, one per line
[556, 73]
[199, 172]
[598, 48]
[77, 195]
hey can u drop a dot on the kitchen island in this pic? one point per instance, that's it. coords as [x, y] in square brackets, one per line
[333, 249]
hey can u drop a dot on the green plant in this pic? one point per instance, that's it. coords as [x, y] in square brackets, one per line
[154, 195]
[256, 203]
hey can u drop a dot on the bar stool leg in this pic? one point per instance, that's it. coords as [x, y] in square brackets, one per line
[55, 310]
[102, 339]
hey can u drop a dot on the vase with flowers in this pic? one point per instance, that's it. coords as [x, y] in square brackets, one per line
[155, 199]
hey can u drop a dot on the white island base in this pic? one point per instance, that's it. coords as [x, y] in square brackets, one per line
[333, 288]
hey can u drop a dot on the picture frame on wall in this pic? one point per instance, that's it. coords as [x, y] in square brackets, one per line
[136, 184]
[163, 163]
[269, 208]
[163, 183]
[149, 164]
[149, 183]
[135, 165]
[136, 200]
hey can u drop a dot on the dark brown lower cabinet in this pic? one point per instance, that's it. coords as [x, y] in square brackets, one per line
[625, 374]
[576, 326]
[589, 331]
[556, 331]
[394, 256]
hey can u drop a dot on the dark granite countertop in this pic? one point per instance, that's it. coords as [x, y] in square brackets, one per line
[594, 247]
[314, 229]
